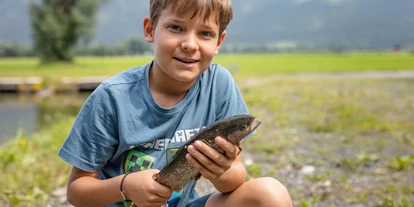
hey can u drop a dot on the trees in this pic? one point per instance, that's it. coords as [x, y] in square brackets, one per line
[59, 24]
[130, 46]
[13, 49]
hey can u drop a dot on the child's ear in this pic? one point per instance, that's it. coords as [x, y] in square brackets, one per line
[148, 29]
[220, 42]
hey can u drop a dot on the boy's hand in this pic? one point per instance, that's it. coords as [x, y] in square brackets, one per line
[141, 188]
[210, 163]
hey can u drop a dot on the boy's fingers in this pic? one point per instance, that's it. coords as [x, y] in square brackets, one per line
[211, 160]
[200, 167]
[209, 152]
[164, 192]
[204, 154]
[229, 148]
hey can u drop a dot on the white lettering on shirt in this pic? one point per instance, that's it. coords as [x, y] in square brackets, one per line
[189, 133]
[159, 144]
[179, 136]
[167, 143]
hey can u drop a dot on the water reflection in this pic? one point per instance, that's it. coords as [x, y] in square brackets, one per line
[31, 113]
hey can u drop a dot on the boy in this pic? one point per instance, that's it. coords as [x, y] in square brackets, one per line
[132, 124]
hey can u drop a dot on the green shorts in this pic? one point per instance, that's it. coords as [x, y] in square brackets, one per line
[200, 202]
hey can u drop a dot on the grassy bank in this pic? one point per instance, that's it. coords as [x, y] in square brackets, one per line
[30, 168]
[245, 65]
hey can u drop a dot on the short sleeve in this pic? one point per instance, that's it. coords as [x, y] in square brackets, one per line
[229, 99]
[93, 138]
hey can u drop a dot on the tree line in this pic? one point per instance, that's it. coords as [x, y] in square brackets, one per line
[132, 46]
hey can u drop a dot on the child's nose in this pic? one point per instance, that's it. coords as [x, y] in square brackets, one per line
[189, 42]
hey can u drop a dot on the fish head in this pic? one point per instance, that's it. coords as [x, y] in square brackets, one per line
[240, 126]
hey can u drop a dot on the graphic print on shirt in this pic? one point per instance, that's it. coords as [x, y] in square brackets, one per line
[180, 137]
[136, 161]
[171, 153]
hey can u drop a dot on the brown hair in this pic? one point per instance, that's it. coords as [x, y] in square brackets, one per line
[200, 8]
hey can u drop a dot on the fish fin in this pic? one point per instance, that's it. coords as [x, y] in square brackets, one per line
[240, 149]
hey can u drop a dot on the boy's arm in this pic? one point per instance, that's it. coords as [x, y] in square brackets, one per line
[85, 189]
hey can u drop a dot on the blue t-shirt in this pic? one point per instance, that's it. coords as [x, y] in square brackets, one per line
[121, 128]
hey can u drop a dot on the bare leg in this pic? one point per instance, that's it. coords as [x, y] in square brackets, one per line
[258, 192]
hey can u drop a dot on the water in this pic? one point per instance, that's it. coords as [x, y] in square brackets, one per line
[29, 113]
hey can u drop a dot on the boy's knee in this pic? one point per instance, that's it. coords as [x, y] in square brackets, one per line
[270, 192]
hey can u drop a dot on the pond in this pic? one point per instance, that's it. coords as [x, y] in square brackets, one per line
[29, 113]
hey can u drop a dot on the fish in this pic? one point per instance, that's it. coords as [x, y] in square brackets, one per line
[178, 172]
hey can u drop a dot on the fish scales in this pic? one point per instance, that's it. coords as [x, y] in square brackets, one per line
[179, 171]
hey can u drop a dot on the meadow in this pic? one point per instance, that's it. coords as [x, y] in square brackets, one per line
[246, 64]
[331, 141]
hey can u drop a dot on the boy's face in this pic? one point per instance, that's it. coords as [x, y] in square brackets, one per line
[184, 47]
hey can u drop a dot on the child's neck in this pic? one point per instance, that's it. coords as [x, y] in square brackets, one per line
[166, 91]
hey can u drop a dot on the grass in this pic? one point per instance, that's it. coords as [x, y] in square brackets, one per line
[91, 66]
[357, 133]
[30, 167]
[245, 65]
[260, 64]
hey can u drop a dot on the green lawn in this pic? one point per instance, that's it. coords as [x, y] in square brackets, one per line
[303, 63]
[244, 65]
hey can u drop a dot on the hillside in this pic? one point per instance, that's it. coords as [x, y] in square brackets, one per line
[312, 23]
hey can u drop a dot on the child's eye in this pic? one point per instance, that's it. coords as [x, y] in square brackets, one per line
[175, 27]
[206, 34]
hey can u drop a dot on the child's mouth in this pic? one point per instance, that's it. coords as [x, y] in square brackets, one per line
[187, 61]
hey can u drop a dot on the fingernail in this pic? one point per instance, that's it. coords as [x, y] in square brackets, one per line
[188, 156]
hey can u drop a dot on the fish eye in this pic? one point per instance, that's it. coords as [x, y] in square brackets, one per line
[243, 127]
